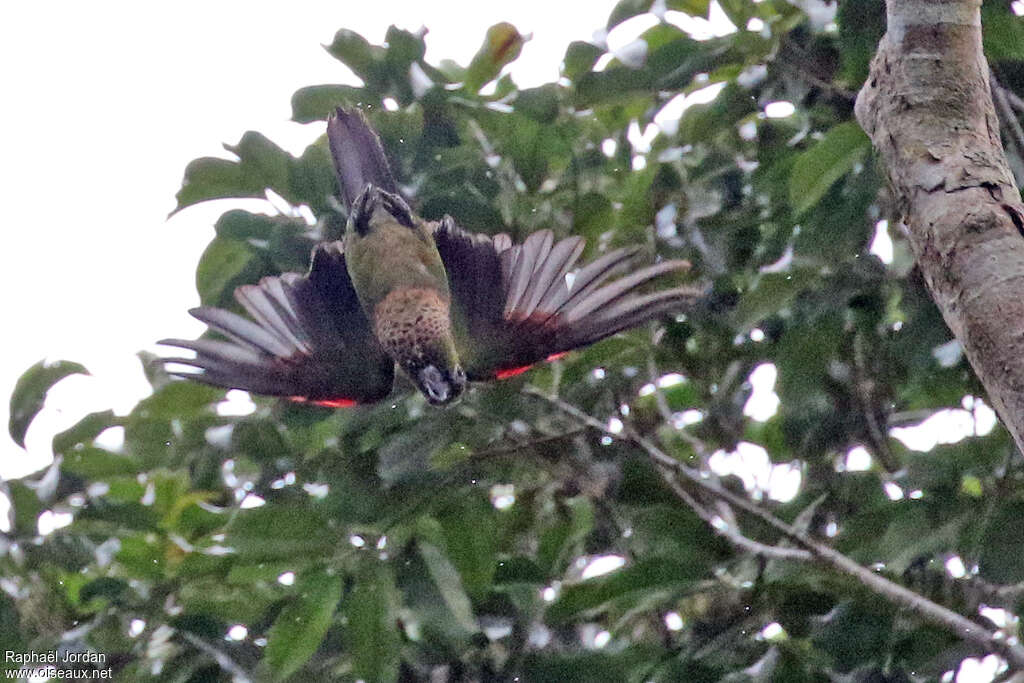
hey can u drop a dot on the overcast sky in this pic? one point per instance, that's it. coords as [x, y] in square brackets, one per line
[105, 104]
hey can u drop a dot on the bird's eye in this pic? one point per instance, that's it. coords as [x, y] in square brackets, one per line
[459, 375]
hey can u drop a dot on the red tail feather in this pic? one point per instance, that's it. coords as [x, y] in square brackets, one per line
[512, 372]
[325, 402]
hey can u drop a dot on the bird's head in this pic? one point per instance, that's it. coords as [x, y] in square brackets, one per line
[441, 384]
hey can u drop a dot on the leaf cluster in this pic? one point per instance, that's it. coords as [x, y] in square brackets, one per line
[398, 542]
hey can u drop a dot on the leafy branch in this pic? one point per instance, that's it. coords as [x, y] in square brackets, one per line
[809, 549]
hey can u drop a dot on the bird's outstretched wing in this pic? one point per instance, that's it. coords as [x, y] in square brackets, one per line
[308, 339]
[517, 304]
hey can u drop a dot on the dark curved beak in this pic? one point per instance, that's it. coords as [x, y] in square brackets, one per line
[434, 385]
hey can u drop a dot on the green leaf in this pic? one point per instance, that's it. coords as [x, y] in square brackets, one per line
[842, 222]
[593, 216]
[142, 556]
[703, 122]
[803, 358]
[853, 632]
[861, 25]
[262, 161]
[738, 11]
[627, 9]
[261, 164]
[517, 570]
[175, 401]
[95, 463]
[280, 531]
[373, 639]
[502, 44]
[260, 439]
[221, 267]
[675, 533]
[449, 455]
[301, 625]
[631, 584]
[105, 587]
[471, 547]
[614, 83]
[315, 102]
[258, 572]
[214, 178]
[10, 631]
[25, 507]
[448, 583]
[29, 393]
[826, 162]
[242, 225]
[579, 59]
[208, 598]
[540, 104]
[153, 369]
[695, 8]
[598, 667]
[87, 429]
[404, 49]
[559, 540]
[773, 292]
[312, 182]
[1002, 546]
[1004, 32]
[355, 52]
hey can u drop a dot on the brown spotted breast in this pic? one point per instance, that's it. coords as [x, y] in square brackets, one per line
[411, 323]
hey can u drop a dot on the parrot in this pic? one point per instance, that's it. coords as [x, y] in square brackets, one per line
[443, 305]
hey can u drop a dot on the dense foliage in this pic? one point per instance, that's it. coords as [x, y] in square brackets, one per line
[401, 542]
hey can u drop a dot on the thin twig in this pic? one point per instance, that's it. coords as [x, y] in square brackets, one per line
[1014, 99]
[1009, 123]
[698, 446]
[823, 554]
[1006, 100]
[517, 448]
[996, 595]
[728, 531]
[723, 523]
[223, 660]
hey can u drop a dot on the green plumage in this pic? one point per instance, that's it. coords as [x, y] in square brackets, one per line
[443, 304]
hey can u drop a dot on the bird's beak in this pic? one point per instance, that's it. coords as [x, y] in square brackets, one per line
[434, 385]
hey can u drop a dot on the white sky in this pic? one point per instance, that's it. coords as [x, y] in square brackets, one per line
[106, 102]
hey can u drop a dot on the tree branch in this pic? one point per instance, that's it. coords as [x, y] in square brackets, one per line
[927, 107]
[729, 531]
[816, 551]
[723, 524]
[1011, 125]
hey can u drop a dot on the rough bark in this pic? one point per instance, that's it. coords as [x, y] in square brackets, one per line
[928, 109]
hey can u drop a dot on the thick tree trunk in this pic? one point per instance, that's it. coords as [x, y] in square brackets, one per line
[928, 109]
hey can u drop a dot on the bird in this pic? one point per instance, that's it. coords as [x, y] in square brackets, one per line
[443, 305]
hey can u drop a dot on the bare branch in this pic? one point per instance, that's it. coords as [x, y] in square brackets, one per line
[1011, 124]
[223, 660]
[729, 531]
[996, 595]
[927, 107]
[519, 447]
[724, 524]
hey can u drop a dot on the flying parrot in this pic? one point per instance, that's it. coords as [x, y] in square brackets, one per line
[444, 305]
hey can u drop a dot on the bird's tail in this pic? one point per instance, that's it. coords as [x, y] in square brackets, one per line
[358, 155]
